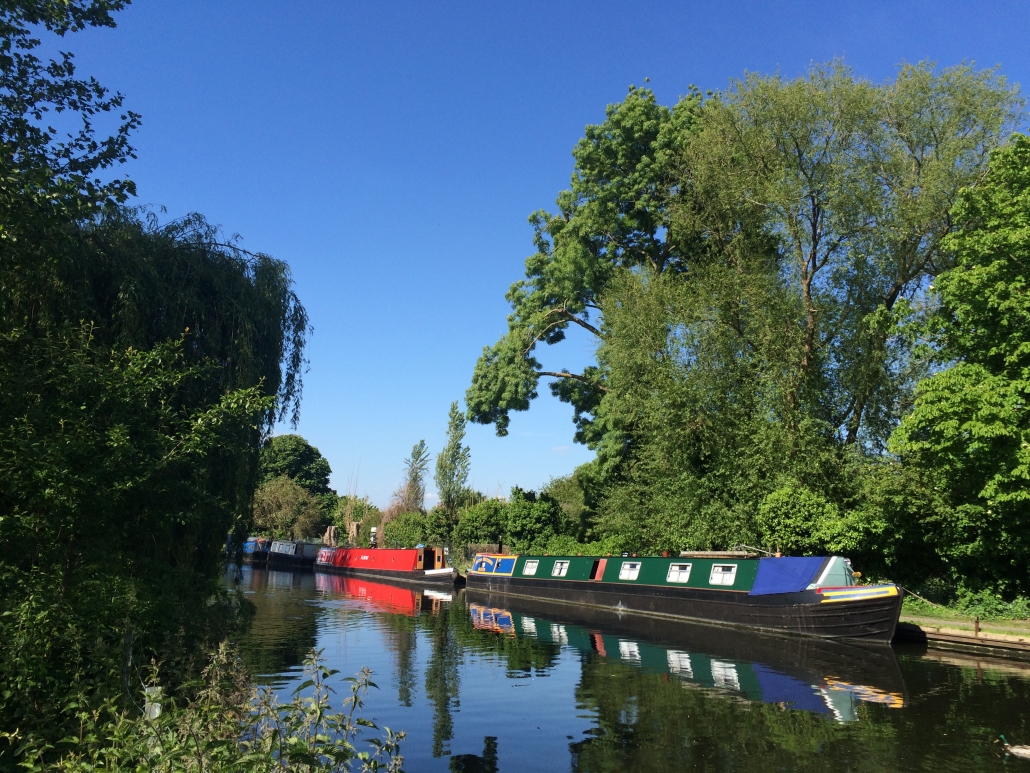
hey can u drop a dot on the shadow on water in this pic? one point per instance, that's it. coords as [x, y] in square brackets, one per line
[285, 624]
[489, 684]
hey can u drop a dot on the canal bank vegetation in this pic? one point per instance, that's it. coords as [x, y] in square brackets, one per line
[807, 298]
[228, 726]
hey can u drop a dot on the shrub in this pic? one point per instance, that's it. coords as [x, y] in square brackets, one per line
[480, 524]
[405, 531]
[231, 727]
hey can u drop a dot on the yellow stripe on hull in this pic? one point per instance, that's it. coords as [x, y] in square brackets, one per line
[858, 593]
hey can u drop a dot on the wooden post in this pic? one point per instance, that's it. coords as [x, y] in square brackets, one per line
[976, 625]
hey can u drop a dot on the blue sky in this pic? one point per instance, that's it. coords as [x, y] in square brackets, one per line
[391, 153]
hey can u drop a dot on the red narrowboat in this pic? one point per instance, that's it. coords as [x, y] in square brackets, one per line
[424, 566]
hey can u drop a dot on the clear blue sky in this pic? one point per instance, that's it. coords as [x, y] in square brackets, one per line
[391, 152]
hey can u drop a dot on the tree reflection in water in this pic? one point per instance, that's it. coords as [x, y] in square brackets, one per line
[473, 763]
[631, 695]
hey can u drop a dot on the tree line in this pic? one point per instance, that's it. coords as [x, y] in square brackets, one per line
[807, 302]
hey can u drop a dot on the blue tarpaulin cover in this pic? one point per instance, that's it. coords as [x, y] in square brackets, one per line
[785, 575]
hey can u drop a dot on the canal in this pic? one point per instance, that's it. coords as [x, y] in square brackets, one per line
[489, 684]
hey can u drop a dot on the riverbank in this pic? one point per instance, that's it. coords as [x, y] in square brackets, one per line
[998, 638]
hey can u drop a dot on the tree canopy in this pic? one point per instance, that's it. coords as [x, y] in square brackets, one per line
[968, 430]
[755, 266]
[294, 457]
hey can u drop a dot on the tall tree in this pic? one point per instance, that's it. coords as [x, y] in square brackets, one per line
[412, 493]
[615, 215]
[452, 464]
[764, 335]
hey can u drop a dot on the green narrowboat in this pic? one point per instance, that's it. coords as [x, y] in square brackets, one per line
[814, 596]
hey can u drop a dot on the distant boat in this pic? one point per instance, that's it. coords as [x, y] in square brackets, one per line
[811, 596]
[255, 550]
[418, 565]
[292, 554]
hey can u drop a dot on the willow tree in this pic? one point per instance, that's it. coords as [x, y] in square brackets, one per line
[140, 365]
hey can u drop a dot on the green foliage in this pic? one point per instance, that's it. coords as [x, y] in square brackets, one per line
[295, 458]
[798, 521]
[230, 727]
[452, 464]
[481, 524]
[283, 509]
[139, 365]
[616, 215]
[812, 214]
[370, 519]
[968, 427]
[352, 509]
[570, 495]
[566, 545]
[405, 531]
[411, 496]
[119, 490]
[530, 521]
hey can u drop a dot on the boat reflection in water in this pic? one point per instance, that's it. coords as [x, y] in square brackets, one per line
[380, 596]
[821, 676]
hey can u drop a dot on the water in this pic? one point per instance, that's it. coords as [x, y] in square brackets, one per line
[489, 684]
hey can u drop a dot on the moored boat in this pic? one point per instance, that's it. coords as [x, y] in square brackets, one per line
[419, 565]
[255, 550]
[292, 554]
[814, 596]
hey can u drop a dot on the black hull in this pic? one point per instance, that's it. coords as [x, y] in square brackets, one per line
[258, 559]
[285, 561]
[872, 620]
[411, 578]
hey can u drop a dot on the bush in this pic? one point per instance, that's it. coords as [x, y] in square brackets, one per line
[799, 521]
[480, 524]
[531, 521]
[405, 531]
[566, 545]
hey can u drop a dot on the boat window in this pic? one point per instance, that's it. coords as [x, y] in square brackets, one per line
[837, 574]
[561, 568]
[723, 574]
[678, 573]
[530, 567]
[630, 570]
